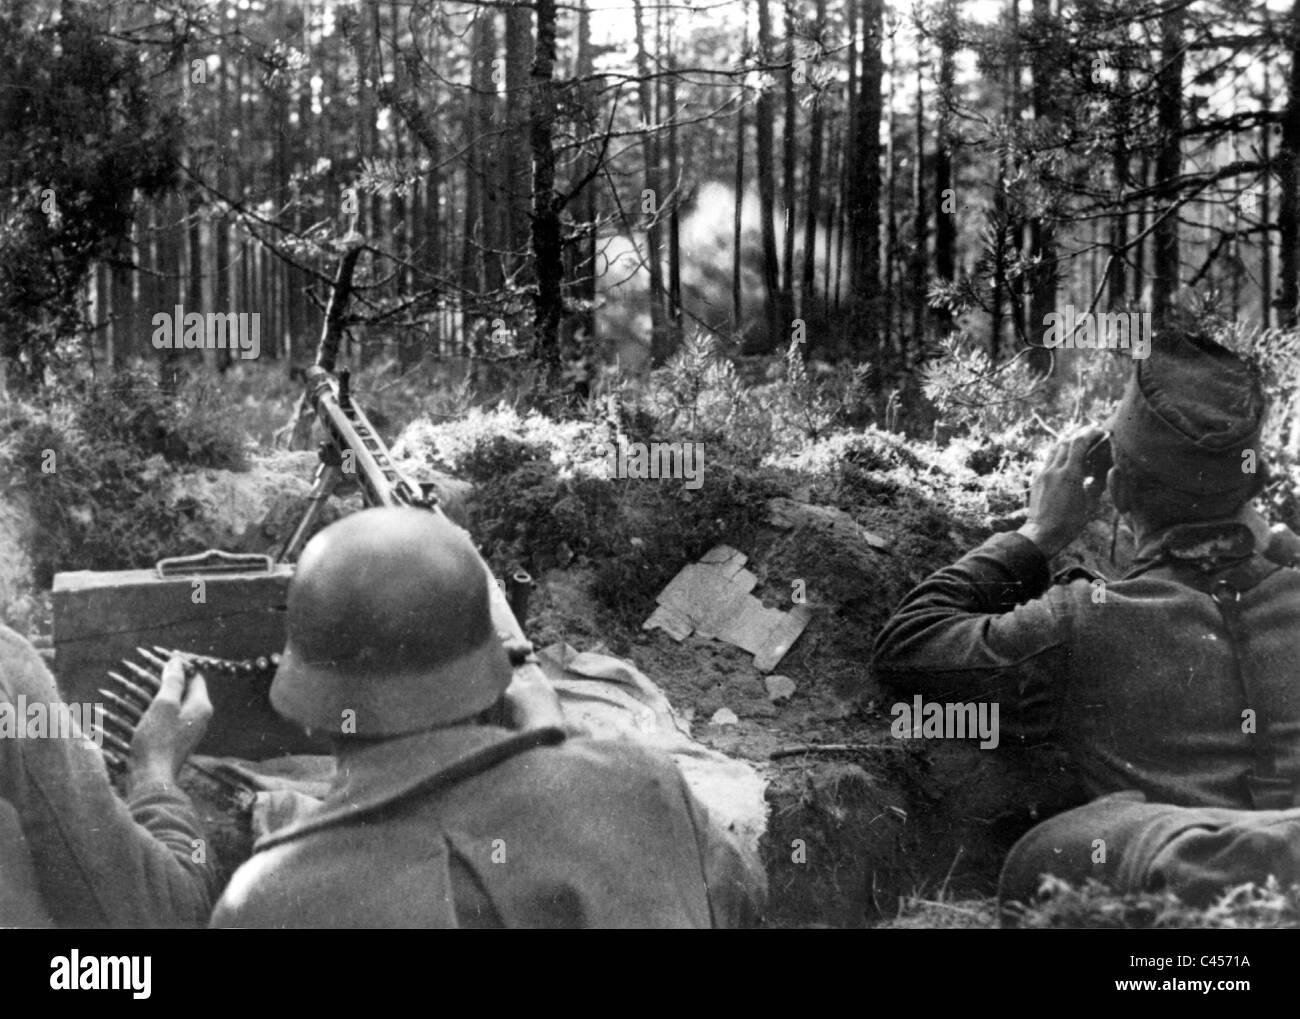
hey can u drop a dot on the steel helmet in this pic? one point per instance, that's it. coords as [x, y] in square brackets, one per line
[389, 619]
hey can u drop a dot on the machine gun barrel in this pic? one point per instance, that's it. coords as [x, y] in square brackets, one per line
[352, 452]
[348, 429]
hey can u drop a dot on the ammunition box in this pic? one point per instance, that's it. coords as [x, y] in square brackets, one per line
[101, 618]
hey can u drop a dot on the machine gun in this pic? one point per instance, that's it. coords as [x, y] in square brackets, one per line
[353, 453]
[245, 725]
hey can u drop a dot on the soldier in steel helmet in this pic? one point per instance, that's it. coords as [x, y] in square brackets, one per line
[1173, 689]
[439, 816]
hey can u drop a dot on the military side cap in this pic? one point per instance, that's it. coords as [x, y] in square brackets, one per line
[1188, 414]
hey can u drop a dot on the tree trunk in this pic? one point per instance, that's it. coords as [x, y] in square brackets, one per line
[1288, 213]
[1266, 216]
[1001, 212]
[301, 318]
[674, 213]
[848, 135]
[548, 248]
[1042, 233]
[945, 185]
[807, 289]
[296, 434]
[864, 186]
[366, 45]
[737, 219]
[519, 53]
[1139, 249]
[788, 131]
[221, 224]
[281, 338]
[1117, 281]
[1169, 114]
[162, 291]
[194, 255]
[778, 324]
[121, 301]
[652, 197]
[408, 342]
[831, 235]
[919, 232]
[585, 265]
[481, 270]
[892, 310]
[365, 109]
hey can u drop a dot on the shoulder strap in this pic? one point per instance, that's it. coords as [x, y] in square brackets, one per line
[1266, 789]
[1225, 583]
[472, 764]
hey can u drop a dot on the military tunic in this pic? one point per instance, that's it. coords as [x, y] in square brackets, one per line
[95, 860]
[475, 826]
[1177, 686]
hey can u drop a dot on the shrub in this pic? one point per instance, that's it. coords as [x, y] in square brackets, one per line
[542, 500]
[90, 461]
[700, 395]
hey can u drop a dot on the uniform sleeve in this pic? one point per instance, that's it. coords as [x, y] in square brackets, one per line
[99, 862]
[989, 627]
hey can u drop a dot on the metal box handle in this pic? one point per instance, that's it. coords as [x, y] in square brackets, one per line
[214, 561]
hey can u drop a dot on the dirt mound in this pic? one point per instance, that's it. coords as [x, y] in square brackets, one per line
[858, 821]
[245, 511]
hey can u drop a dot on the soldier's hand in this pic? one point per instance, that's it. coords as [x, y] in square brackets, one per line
[172, 726]
[1062, 500]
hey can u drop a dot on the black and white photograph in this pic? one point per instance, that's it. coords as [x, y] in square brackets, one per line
[651, 464]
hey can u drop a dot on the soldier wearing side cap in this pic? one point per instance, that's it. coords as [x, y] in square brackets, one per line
[439, 815]
[1175, 693]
